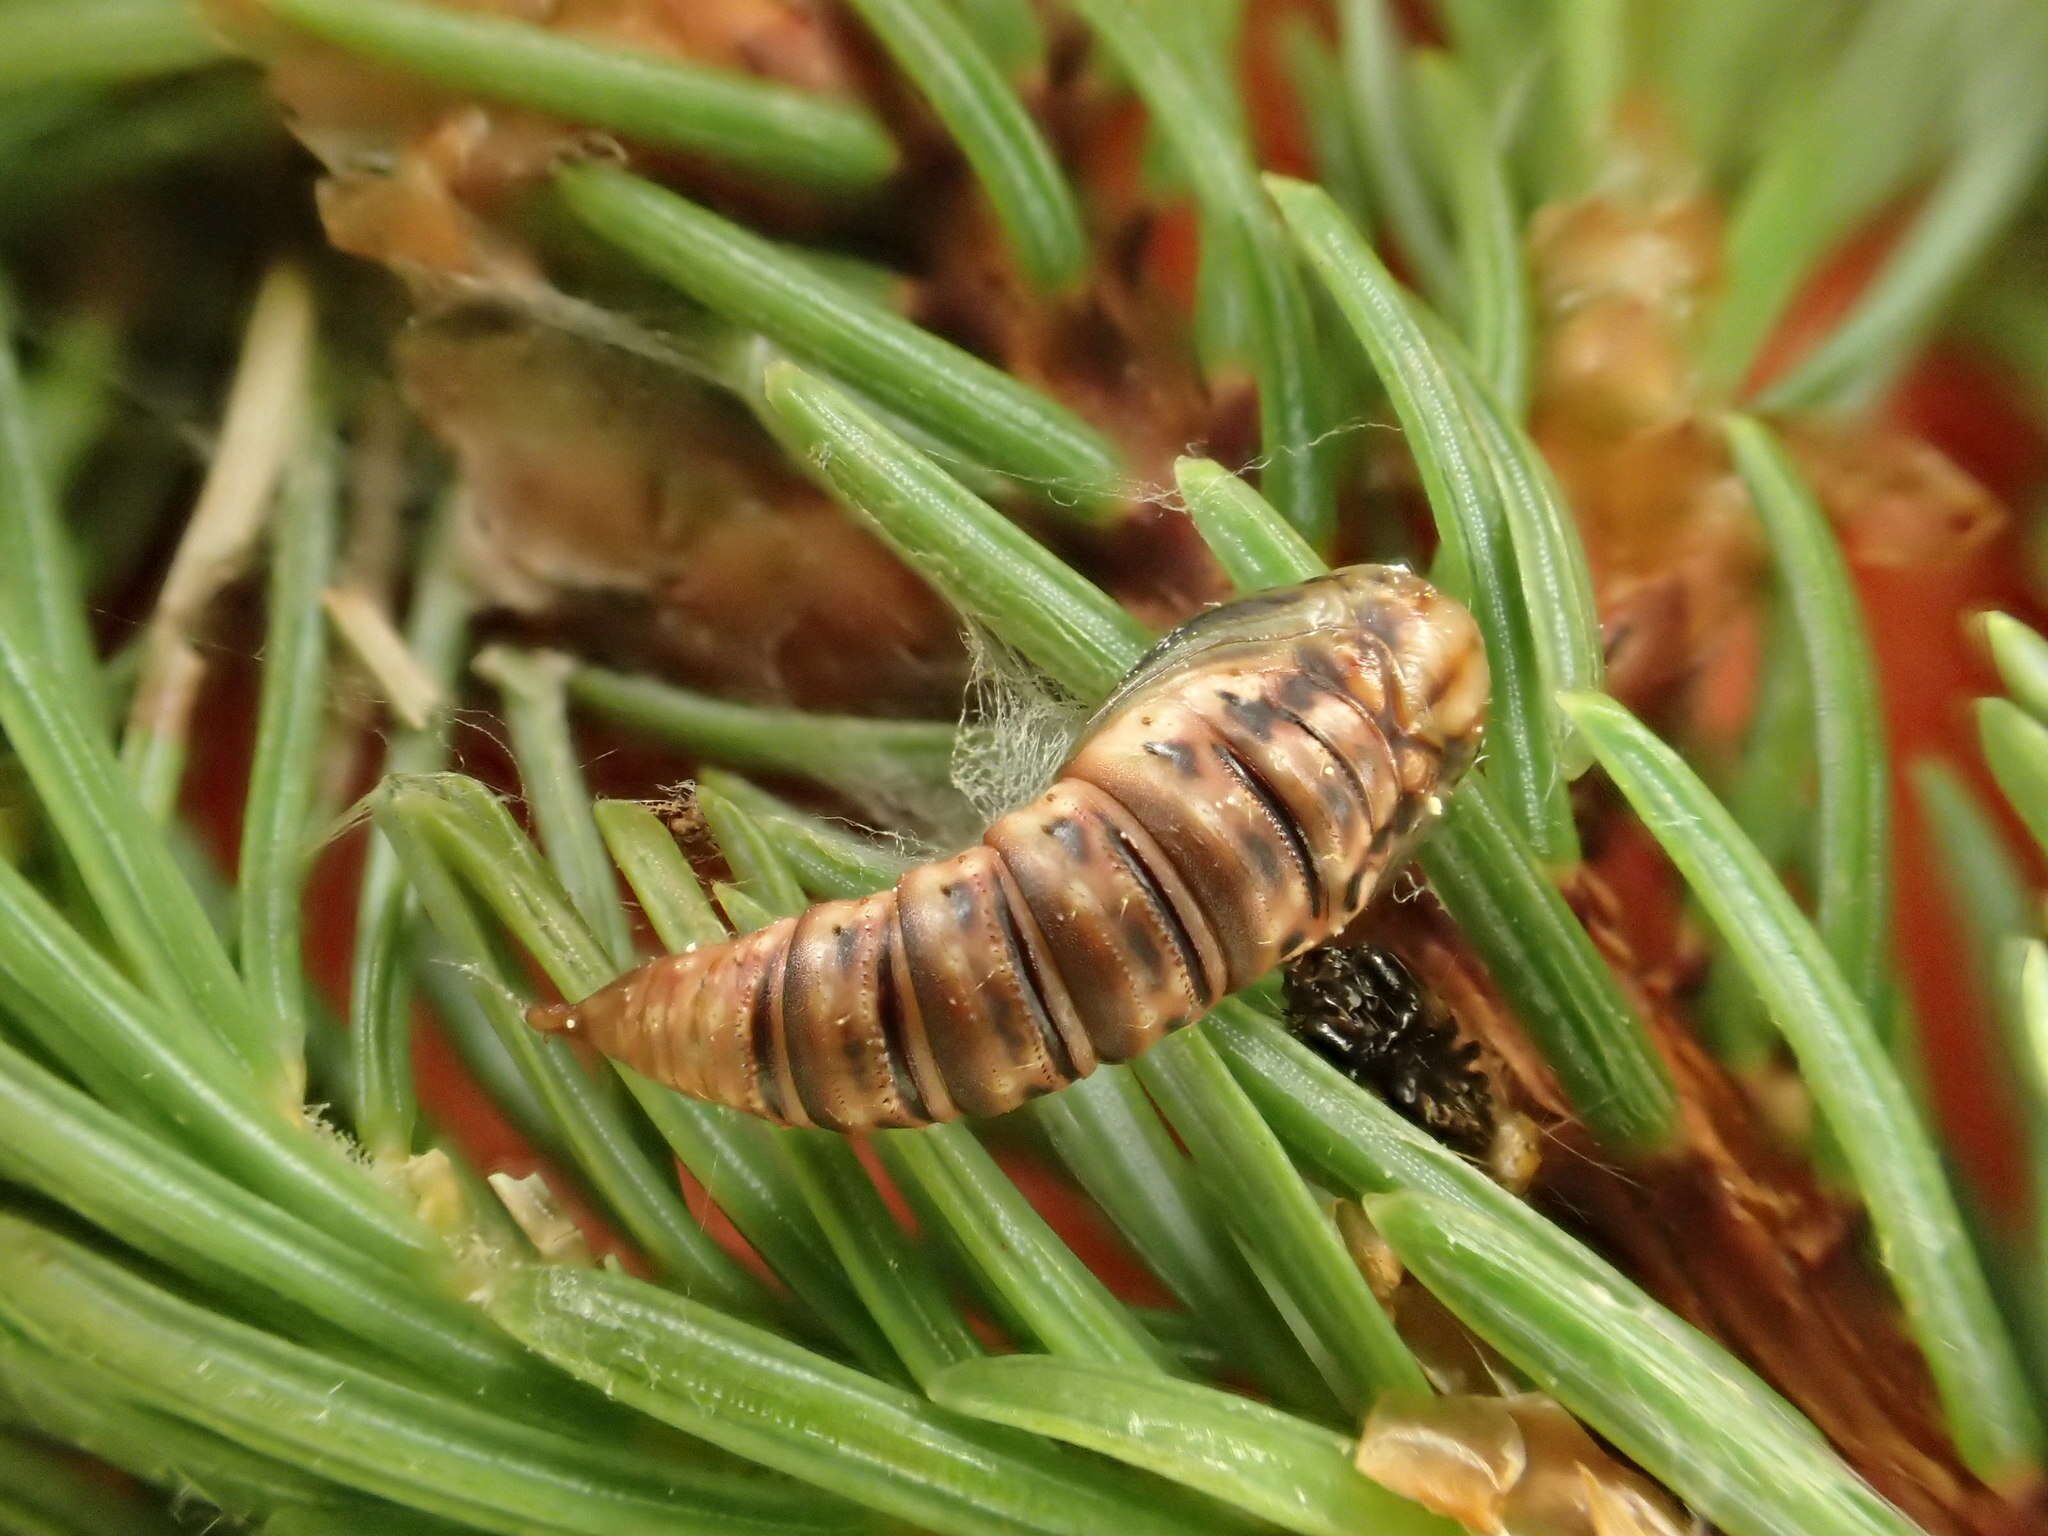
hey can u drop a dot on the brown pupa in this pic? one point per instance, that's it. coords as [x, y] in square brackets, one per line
[1240, 799]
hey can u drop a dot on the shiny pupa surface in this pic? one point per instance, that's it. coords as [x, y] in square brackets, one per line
[1240, 799]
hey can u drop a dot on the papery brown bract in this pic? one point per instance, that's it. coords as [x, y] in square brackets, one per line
[1499, 1464]
[625, 509]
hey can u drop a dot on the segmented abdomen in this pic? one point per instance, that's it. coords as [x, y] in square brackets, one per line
[1239, 801]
